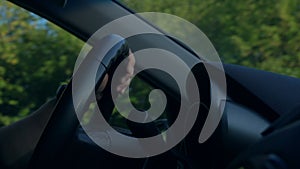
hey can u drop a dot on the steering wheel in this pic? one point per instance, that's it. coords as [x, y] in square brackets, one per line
[63, 121]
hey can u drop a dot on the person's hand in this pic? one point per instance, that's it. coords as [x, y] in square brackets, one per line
[124, 79]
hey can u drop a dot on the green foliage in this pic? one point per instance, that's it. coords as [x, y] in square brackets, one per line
[35, 57]
[260, 34]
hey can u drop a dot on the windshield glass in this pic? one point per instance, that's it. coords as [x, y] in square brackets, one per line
[259, 34]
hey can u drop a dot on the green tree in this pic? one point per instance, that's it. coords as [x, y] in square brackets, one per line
[35, 57]
[260, 34]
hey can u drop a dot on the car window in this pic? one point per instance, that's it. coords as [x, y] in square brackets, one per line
[259, 34]
[35, 58]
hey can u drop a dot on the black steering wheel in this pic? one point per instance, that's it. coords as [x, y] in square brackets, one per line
[63, 121]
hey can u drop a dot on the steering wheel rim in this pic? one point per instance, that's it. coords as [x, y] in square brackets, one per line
[63, 122]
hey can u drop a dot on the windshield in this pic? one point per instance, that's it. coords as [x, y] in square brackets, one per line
[259, 34]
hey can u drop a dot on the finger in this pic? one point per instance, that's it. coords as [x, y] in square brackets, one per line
[103, 84]
[125, 84]
[125, 78]
[122, 87]
[131, 63]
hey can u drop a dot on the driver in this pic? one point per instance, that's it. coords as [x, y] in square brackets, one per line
[18, 141]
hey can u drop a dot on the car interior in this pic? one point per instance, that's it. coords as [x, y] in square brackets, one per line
[259, 127]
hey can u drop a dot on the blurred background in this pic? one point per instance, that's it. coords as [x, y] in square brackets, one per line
[37, 56]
